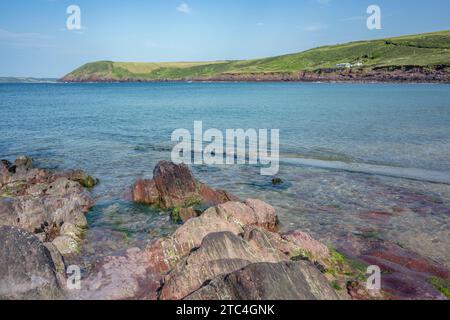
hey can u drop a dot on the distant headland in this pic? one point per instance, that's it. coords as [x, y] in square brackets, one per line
[414, 58]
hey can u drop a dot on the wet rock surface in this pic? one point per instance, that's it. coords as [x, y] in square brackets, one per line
[405, 275]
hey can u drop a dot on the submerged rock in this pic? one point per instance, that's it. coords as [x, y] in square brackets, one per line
[174, 187]
[82, 178]
[277, 181]
[27, 270]
[405, 275]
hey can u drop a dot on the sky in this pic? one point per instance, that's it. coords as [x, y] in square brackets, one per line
[35, 41]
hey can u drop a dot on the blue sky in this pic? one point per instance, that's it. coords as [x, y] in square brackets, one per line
[34, 40]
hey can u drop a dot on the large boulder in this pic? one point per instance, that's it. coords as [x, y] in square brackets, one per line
[174, 187]
[269, 281]
[27, 270]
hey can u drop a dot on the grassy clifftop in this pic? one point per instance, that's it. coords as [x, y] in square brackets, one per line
[424, 50]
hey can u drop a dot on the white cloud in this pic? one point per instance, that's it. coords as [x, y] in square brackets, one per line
[184, 8]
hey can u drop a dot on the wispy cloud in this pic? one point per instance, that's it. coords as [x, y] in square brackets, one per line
[27, 39]
[184, 8]
[260, 24]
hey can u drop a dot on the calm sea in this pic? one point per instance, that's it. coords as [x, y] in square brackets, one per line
[347, 150]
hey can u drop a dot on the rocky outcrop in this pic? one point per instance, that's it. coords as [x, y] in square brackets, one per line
[220, 253]
[174, 187]
[27, 269]
[50, 205]
[269, 281]
[223, 240]
[228, 243]
[231, 217]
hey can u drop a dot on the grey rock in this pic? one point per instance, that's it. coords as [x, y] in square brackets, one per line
[27, 270]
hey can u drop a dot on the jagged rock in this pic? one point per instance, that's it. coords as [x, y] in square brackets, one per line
[269, 281]
[42, 202]
[27, 270]
[173, 186]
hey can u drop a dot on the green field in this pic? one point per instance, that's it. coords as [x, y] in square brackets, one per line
[425, 50]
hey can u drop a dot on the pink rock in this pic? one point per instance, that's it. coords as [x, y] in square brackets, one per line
[144, 191]
[174, 186]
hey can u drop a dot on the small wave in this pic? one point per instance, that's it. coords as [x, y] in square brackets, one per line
[390, 171]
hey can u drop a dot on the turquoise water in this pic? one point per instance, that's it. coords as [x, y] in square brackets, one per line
[346, 149]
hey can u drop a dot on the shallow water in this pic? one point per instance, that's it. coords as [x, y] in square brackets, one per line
[348, 150]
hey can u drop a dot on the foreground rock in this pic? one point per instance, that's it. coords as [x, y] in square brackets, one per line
[27, 269]
[225, 239]
[174, 187]
[50, 205]
[231, 217]
[269, 281]
[230, 243]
